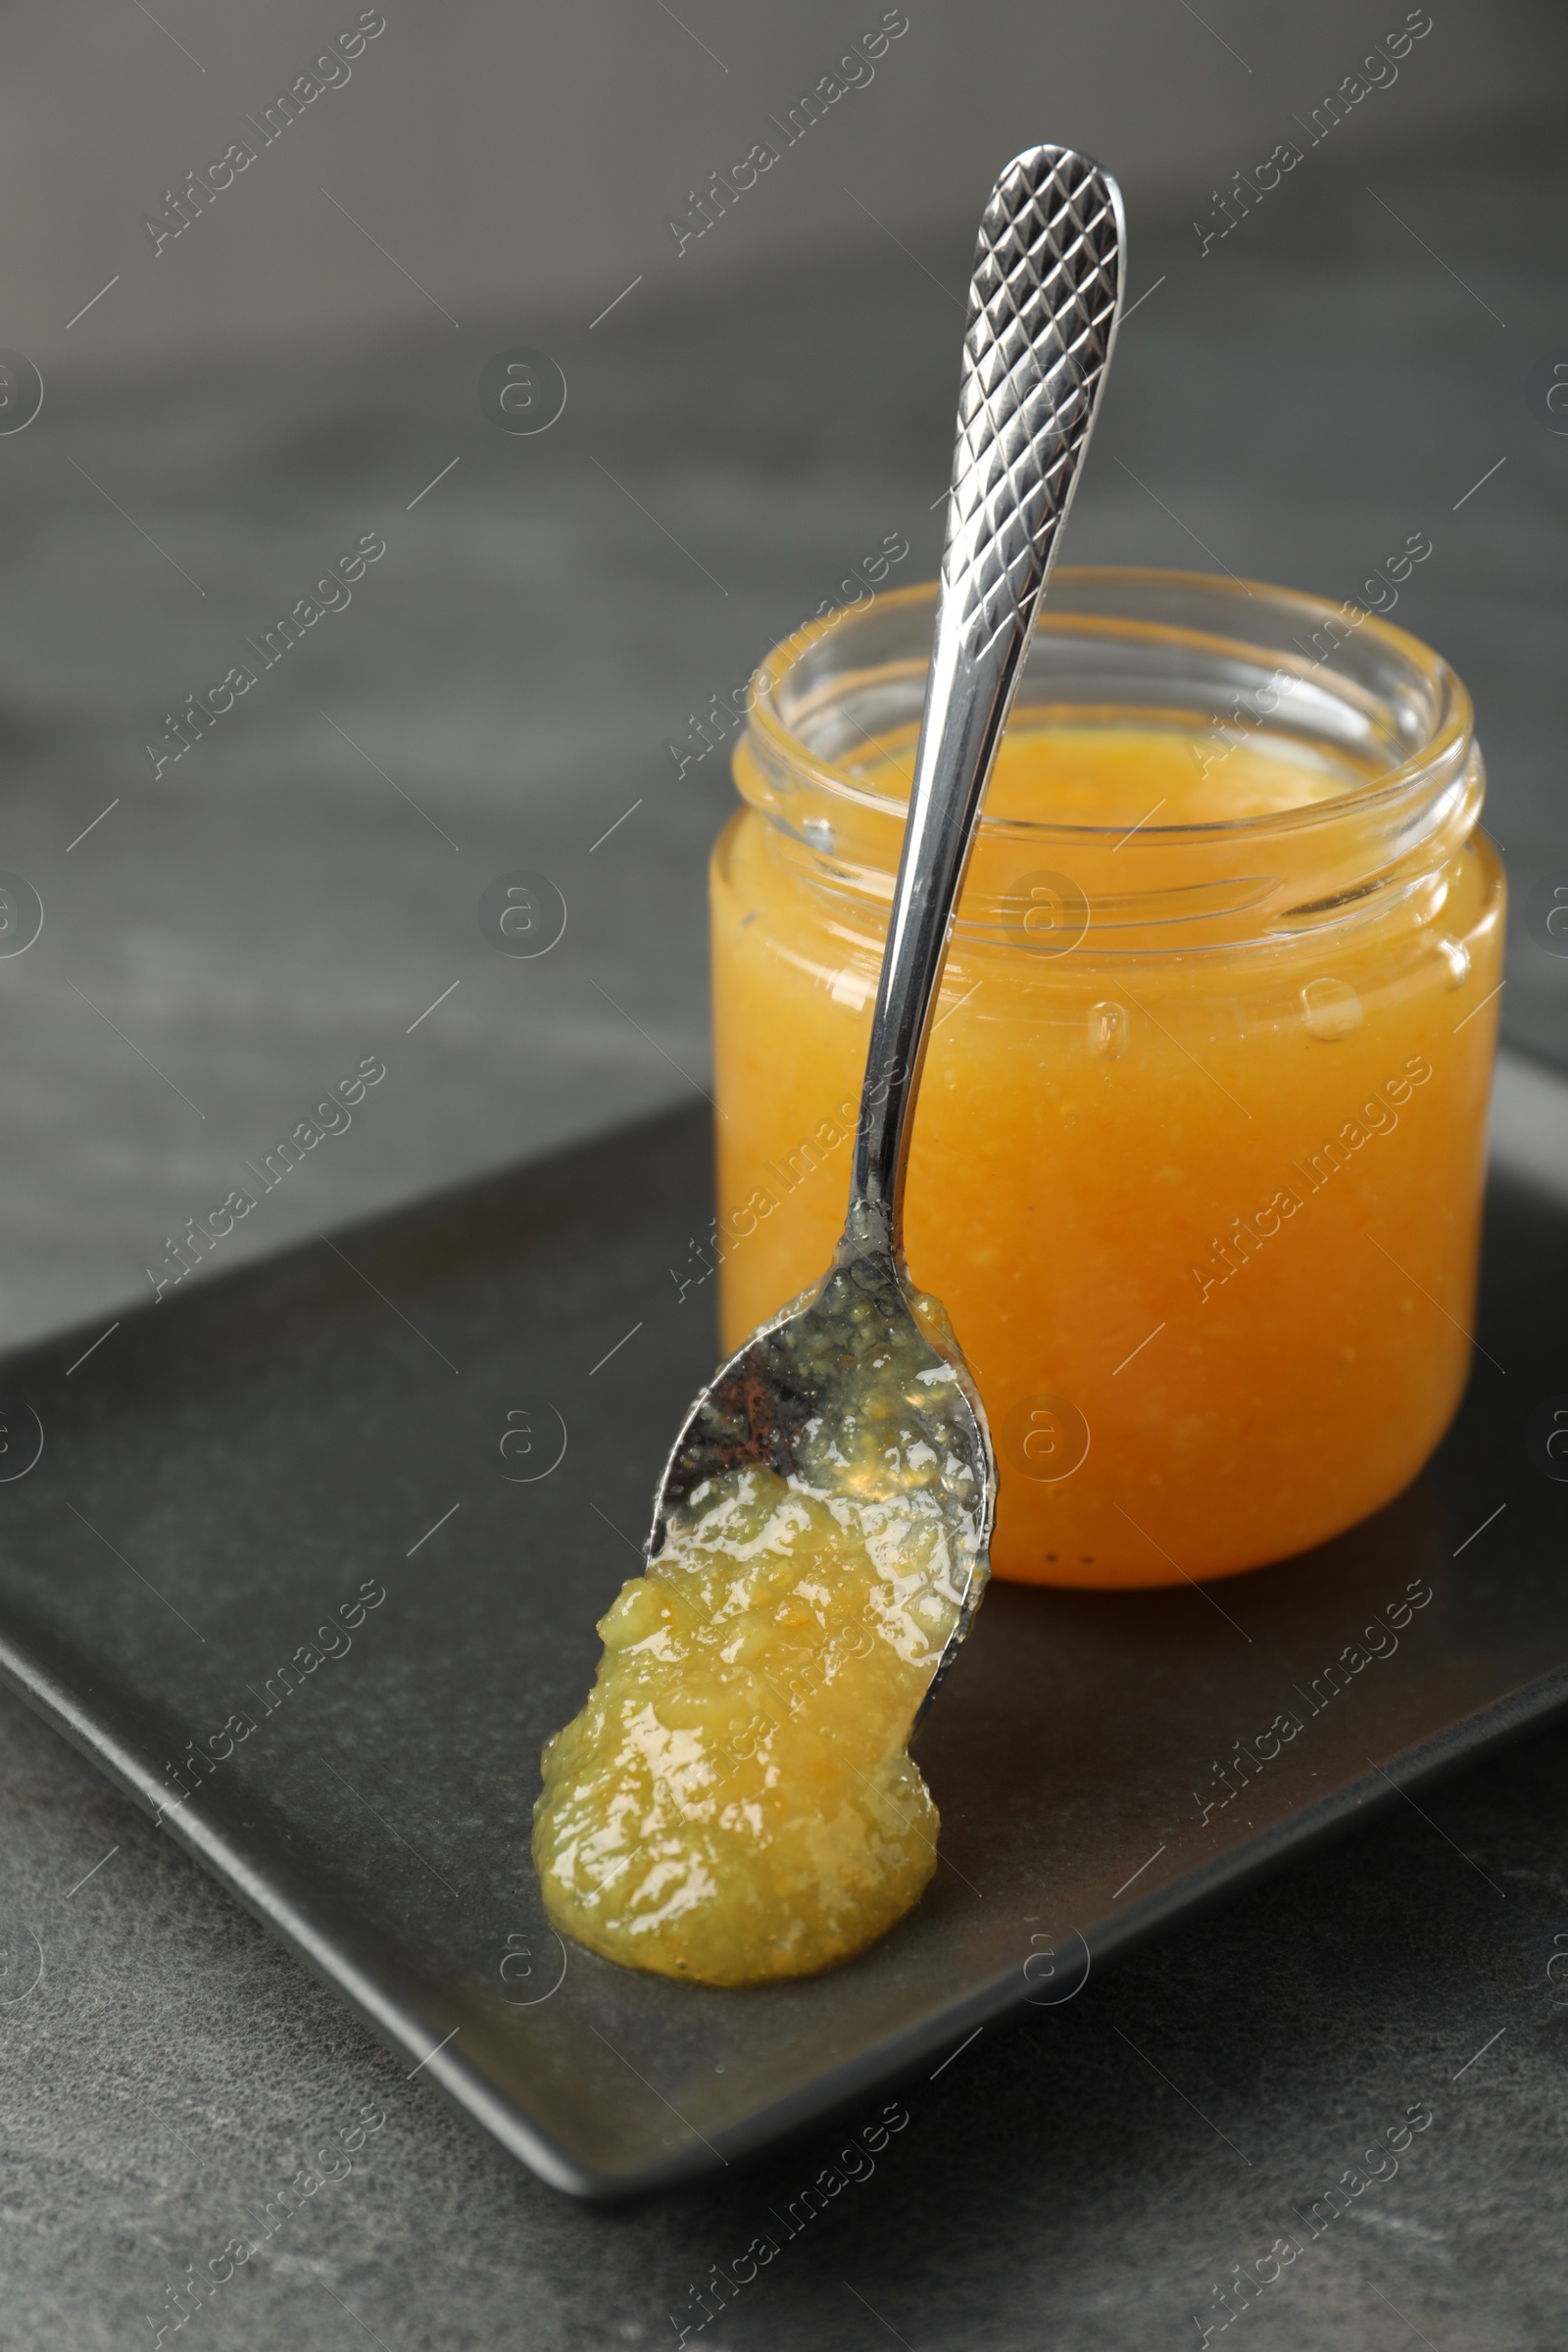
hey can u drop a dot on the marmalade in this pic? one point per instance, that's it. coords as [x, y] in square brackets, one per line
[1205, 1211]
[735, 1803]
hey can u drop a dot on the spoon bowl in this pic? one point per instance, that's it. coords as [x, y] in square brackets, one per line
[858, 1390]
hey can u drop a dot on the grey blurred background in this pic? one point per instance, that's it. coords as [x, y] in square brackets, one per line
[524, 162]
[1366, 353]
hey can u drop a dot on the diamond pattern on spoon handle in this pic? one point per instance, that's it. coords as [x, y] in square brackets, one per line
[1043, 309]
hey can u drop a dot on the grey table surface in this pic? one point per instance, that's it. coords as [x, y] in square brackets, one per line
[295, 894]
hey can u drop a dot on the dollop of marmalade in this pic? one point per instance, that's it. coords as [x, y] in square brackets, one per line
[736, 1803]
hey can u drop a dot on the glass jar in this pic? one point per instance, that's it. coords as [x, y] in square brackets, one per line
[1199, 1154]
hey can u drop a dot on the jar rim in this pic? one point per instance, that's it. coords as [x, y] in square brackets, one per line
[1445, 740]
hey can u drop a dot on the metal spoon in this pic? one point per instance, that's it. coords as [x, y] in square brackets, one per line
[1044, 305]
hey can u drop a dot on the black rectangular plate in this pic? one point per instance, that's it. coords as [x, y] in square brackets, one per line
[220, 1477]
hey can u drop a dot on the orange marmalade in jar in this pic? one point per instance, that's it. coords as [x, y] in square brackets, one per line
[1198, 1159]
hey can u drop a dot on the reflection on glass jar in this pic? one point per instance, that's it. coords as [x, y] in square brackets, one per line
[1198, 1159]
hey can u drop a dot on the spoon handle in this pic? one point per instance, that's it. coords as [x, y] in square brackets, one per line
[1043, 304]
